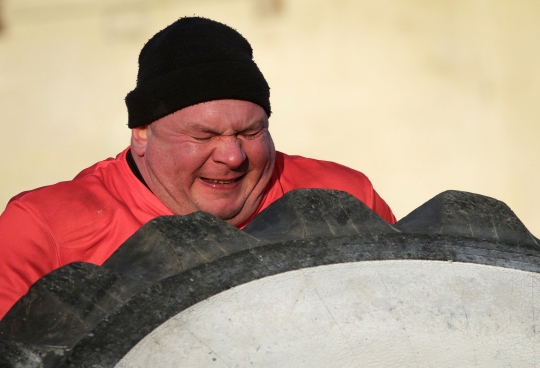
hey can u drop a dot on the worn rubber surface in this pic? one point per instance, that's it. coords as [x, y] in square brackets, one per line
[400, 313]
[89, 316]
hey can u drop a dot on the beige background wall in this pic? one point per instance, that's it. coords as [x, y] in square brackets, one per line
[420, 95]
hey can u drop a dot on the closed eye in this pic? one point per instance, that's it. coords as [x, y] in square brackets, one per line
[202, 139]
[252, 135]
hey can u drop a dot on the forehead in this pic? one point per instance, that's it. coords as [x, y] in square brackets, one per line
[218, 115]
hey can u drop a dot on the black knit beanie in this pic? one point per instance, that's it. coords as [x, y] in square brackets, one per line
[192, 61]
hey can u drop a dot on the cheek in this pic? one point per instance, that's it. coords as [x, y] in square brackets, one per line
[177, 158]
[262, 153]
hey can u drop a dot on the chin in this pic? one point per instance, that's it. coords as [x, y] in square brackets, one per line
[226, 214]
[229, 211]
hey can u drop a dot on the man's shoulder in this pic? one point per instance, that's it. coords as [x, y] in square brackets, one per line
[301, 168]
[104, 168]
[88, 187]
[297, 172]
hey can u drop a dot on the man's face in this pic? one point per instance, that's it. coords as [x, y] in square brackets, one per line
[215, 156]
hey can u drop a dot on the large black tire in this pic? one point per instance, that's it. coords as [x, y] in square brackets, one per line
[88, 316]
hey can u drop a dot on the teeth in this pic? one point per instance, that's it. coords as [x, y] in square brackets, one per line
[220, 181]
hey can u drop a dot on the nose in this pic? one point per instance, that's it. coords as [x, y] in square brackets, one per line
[229, 151]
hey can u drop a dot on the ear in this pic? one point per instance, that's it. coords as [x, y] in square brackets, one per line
[139, 140]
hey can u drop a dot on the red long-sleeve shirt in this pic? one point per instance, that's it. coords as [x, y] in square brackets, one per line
[88, 218]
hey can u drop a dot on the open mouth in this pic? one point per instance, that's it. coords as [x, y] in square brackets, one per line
[215, 181]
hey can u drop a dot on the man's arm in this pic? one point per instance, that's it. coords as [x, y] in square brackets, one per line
[27, 252]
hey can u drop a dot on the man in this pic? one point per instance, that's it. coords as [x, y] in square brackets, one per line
[200, 142]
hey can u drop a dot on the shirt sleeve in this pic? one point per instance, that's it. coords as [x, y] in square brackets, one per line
[27, 252]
